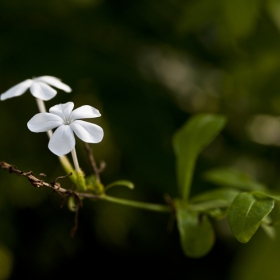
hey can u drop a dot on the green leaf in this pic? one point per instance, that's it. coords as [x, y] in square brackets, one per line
[196, 233]
[189, 141]
[246, 214]
[125, 183]
[233, 178]
[214, 202]
[208, 205]
[270, 194]
[223, 194]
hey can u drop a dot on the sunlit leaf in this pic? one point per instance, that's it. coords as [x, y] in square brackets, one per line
[246, 214]
[189, 141]
[233, 178]
[196, 232]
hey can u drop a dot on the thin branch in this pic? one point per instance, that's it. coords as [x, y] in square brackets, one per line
[38, 183]
[64, 193]
[172, 207]
[96, 170]
[76, 219]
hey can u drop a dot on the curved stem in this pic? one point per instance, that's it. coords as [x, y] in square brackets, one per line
[75, 159]
[137, 204]
[42, 109]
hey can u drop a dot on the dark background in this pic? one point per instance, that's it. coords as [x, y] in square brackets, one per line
[147, 65]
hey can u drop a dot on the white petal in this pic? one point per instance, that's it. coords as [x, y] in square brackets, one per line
[63, 141]
[42, 91]
[85, 112]
[63, 110]
[43, 122]
[88, 132]
[53, 81]
[16, 90]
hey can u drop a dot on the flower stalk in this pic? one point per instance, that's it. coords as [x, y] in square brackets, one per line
[42, 109]
[80, 178]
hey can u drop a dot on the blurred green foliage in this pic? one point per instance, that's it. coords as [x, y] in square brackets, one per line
[147, 66]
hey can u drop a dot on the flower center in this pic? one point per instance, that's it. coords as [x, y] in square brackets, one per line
[67, 121]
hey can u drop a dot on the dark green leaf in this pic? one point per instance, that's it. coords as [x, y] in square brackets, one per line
[214, 208]
[221, 194]
[189, 141]
[196, 233]
[207, 205]
[214, 202]
[246, 214]
[233, 178]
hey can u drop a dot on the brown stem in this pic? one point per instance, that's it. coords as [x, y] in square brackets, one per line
[96, 170]
[38, 183]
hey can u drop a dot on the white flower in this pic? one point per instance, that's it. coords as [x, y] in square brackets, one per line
[39, 87]
[66, 121]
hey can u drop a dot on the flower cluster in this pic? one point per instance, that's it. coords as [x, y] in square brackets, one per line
[62, 117]
[39, 88]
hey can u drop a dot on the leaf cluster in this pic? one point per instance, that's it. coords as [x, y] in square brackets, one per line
[245, 202]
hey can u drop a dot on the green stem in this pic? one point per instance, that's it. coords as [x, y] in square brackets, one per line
[80, 176]
[136, 204]
[68, 168]
[75, 159]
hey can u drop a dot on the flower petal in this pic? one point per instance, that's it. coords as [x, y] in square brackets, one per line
[63, 110]
[88, 132]
[42, 90]
[53, 81]
[63, 141]
[43, 122]
[85, 112]
[16, 90]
